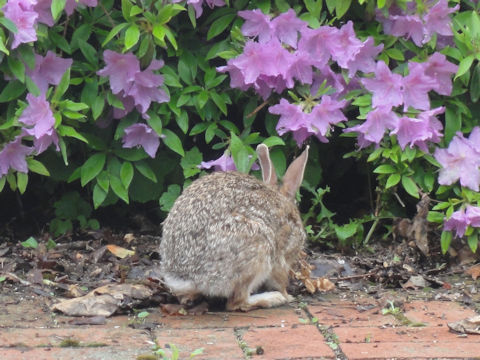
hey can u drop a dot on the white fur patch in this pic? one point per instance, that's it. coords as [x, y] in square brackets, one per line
[267, 299]
[179, 286]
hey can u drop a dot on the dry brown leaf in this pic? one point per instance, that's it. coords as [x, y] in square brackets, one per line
[323, 284]
[474, 271]
[128, 238]
[466, 326]
[119, 251]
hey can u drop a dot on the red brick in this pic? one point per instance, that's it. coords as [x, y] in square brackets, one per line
[436, 312]
[217, 343]
[348, 314]
[121, 337]
[280, 343]
[410, 350]
[104, 353]
[399, 334]
[282, 317]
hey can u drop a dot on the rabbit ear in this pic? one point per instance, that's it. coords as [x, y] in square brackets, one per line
[294, 175]
[269, 175]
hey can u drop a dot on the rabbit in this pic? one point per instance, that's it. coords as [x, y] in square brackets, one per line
[228, 233]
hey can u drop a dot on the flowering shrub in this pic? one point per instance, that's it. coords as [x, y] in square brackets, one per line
[134, 98]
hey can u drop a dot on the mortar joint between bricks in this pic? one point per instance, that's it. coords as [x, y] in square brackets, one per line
[331, 339]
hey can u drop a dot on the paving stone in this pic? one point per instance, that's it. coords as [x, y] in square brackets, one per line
[410, 350]
[87, 336]
[400, 334]
[284, 343]
[436, 312]
[107, 353]
[283, 317]
[342, 314]
[217, 343]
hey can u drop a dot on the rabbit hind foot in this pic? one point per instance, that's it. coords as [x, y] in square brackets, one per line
[263, 300]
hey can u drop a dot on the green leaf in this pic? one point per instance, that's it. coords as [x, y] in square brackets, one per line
[173, 142]
[218, 100]
[69, 131]
[103, 180]
[445, 240]
[114, 32]
[92, 167]
[37, 167]
[99, 195]
[475, 84]
[410, 186]
[3, 48]
[464, 65]
[239, 153]
[168, 198]
[171, 38]
[3, 180]
[453, 123]
[473, 241]
[395, 54]
[11, 91]
[9, 24]
[219, 25]
[132, 35]
[145, 169]
[384, 169]
[182, 121]
[345, 231]
[126, 7]
[155, 123]
[126, 174]
[30, 243]
[135, 10]
[97, 107]
[118, 188]
[22, 181]
[17, 68]
[392, 180]
[342, 7]
[62, 86]
[273, 141]
[57, 7]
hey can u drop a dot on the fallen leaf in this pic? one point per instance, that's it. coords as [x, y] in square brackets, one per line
[119, 251]
[466, 326]
[474, 271]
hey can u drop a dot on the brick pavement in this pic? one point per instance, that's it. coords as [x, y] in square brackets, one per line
[335, 329]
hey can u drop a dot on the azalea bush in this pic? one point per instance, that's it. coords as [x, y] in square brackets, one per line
[134, 99]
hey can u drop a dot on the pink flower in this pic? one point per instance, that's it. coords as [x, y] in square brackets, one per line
[256, 24]
[345, 46]
[364, 59]
[416, 86]
[43, 9]
[197, 5]
[12, 156]
[377, 122]
[43, 142]
[38, 115]
[385, 86]
[460, 161]
[315, 42]
[325, 114]
[21, 13]
[121, 68]
[438, 68]
[417, 132]
[437, 19]
[473, 215]
[145, 88]
[48, 70]
[458, 221]
[223, 163]
[286, 27]
[141, 135]
[410, 26]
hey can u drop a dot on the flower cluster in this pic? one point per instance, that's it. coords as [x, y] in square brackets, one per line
[284, 50]
[135, 88]
[461, 160]
[461, 219]
[198, 5]
[390, 90]
[26, 13]
[419, 24]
